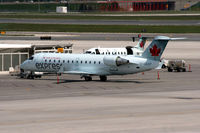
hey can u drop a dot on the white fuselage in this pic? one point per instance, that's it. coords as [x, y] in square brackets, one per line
[86, 64]
[115, 51]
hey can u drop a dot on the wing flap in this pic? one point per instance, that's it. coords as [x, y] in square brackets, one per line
[76, 72]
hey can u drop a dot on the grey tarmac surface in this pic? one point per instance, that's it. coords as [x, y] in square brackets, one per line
[101, 22]
[132, 103]
[89, 36]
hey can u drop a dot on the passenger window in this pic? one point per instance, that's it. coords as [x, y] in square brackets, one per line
[81, 62]
[118, 53]
[45, 60]
[63, 61]
[68, 61]
[121, 52]
[108, 52]
[76, 61]
[94, 62]
[90, 62]
[54, 61]
[85, 62]
[72, 61]
[59, 61]
[99, 62]
[49, 60]
[103, 53]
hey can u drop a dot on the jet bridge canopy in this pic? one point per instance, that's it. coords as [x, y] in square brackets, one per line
[67, 48]
[12, 55]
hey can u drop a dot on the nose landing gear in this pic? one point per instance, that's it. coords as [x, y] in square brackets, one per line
[28, 74]
[89, 78]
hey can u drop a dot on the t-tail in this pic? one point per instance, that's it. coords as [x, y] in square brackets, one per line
[141, 43]
[155, 50]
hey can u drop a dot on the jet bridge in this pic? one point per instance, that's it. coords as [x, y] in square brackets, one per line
[67, 48]
[12, 55]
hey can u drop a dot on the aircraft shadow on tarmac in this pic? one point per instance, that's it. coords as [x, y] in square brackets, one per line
[108, 81]
[186, 98]
[135, 81]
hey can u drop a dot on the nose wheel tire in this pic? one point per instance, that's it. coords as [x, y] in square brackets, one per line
[103, 78]
[87, 78]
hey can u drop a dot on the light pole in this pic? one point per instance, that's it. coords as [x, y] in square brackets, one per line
[167, 5]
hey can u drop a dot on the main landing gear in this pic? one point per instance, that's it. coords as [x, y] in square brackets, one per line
[103, 78]
[89, 78]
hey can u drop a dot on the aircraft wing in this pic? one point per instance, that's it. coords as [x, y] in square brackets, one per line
[76, 72]
[132, 62]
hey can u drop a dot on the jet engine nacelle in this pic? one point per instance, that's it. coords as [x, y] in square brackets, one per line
[114, 61]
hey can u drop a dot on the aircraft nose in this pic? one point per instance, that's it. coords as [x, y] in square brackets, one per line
[23, 65]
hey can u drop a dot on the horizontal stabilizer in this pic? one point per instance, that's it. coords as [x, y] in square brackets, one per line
[168, 38]
[181, 38]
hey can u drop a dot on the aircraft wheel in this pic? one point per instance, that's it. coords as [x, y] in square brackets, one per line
[87, 78]
[22, 75]
[163, 66]
[103, 78]
[32, 76]
[27, 76]
[170, 70]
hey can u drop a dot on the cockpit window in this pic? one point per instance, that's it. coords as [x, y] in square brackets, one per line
[31, 58]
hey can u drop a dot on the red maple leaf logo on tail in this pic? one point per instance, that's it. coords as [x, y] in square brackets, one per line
[155, 51]
[142, 44]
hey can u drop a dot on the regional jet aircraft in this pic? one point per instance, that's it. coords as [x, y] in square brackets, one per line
[88, 65]
[129, 50]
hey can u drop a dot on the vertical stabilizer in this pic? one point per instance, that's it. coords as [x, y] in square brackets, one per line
[155, 50]
[141, 43]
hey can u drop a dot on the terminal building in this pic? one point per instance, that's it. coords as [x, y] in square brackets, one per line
[151, 5]
[130, 5]
[12, 55]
